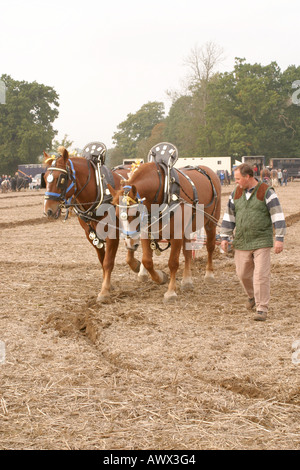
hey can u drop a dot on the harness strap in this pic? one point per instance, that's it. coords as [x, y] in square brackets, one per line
[73, 177]
[49, 194]
[160, 181]
[203, 172]
[195, 194]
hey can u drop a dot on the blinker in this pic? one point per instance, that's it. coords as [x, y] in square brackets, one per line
[61, 181]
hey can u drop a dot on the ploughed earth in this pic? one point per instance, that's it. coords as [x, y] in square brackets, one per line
[138, 373]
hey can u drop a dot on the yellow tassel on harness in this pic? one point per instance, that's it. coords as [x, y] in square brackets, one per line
[127, 199]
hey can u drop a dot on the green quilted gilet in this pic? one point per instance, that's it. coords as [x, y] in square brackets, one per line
[253, 228]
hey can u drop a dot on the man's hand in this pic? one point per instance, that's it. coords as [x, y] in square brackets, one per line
[278, 247]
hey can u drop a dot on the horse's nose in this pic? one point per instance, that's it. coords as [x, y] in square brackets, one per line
[49, 213]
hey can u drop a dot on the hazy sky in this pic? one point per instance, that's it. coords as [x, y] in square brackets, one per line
[107, 58]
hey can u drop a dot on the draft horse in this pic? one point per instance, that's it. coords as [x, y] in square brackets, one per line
[196, 187]
[73, 182]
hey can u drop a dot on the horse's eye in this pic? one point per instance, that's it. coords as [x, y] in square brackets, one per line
[50, 178]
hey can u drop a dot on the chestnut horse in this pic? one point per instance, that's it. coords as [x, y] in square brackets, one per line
[146, 189]
[73, 178]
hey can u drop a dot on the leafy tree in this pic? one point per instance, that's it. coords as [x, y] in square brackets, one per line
[290, 114]
[114, 157]
[181, 126]
[249, 113]
[65, 142]
[187, 115]
[25, 122]
[137, 127]
[157, 136]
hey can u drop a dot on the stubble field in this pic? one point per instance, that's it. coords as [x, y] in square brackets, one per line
[137, 373]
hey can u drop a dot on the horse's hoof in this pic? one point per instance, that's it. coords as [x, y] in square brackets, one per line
[187, 286]
[143, 273]
[209, 277]
[136, 269]
[103, 298]
[170, 297]
[163, 277]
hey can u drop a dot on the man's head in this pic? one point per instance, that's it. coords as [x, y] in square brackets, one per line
[244, 176]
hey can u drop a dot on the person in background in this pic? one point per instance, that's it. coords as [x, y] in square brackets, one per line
[252, 211]
[222, 177]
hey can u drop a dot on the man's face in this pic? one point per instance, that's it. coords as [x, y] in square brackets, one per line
[242, 181]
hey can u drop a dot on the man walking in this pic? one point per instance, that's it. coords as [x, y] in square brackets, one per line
[252, 211]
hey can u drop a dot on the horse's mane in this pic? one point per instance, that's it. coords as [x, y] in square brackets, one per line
[145, 167]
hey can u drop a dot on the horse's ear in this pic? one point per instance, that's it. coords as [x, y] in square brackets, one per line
[112, 191]
[46, 156]
[63, 152]
[48, 159]
[134, 191]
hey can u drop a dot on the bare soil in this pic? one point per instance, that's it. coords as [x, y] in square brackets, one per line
[137, 373]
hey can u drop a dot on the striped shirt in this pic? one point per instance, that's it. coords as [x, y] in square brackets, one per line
[275, 210]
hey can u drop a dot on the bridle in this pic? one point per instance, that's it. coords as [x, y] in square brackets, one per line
[129, 202]
[66, 175]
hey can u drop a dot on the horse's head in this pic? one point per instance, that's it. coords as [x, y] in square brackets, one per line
[56, 178]
[130, 211]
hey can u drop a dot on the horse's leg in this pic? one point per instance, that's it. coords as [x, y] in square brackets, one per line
[143, 273]
[100, 252]
[187, 282]
[108, 265]
[210, 230]
[173, 266]
[136, 266]
[157, 276]
[132, 262]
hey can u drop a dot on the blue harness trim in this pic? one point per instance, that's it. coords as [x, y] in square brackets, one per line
[74, 176]
[137, 195]
[73, 183]
[48, 193]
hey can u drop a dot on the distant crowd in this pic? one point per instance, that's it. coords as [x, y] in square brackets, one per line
[276, 177]
[17, 182]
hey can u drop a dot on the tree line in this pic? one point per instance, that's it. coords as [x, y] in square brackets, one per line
[26, 122]
[247, 111]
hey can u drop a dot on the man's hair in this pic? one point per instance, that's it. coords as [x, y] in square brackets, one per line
[245, 169]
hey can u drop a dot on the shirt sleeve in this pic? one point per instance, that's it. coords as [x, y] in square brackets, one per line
[276, 213]
[228, 222]
[274, 208]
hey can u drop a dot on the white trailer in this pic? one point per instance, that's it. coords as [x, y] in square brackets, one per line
[217, 164]
[258, 160]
